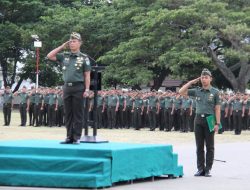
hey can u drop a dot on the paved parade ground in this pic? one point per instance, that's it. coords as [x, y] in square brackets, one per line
[230, 175]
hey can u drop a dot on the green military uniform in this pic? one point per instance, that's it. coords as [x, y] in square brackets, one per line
[60, 110]
[51, 109]
[111, 108]
[45, 109]
[224, 120]
[161, 113]
[37, 109]
[185, 116]
[99, 120]
[32, 109]
[7, 107]
[120, 112]
[237, 106]
[105, 112]
[168, 103]
[152, 102]
[177, 122]
[73, 66]
[206, 100]
[137, 112]
[23, 107]
[127, 112]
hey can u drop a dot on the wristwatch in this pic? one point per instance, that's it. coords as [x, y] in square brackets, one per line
[217, 123]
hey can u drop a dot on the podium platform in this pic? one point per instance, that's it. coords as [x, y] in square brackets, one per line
[46, 163]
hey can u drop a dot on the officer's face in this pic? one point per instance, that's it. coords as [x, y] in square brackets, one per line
[206, 80]
[74, 45]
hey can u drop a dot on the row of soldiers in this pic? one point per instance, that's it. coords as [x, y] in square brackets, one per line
[164, 110]
[44, 106]
[127, 109]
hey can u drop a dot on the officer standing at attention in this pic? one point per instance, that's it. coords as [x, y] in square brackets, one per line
[208, 103]
[76, 75]
[7, 105]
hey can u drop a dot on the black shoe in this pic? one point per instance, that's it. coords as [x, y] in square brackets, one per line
[208, 173]
[200, 173]
[76, 142]
[152, 129]
[67, 141]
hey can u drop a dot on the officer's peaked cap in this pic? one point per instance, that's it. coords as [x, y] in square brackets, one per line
[75, 35]
[206, 72]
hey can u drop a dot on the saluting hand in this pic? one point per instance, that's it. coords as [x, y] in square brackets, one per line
[195, 80]
[65, 45]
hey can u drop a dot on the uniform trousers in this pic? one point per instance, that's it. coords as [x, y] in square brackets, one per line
[7, 113]
[203, 137]
[237, 121]
[23, 113]
[73, 106]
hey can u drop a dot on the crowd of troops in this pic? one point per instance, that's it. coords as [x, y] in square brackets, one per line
[167, 111]
[44, 106]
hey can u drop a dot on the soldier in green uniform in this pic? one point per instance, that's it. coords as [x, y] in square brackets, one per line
[161, 105]
[185, 116]
[100, 109]
[60, 108]
[177, 102]
[168, 103]
[224, 114]
[38, 106]
[52, 108]
[151, 110]
[145, 119]
[112, 108]
[23, 105]
[127, 110]
[137, 110]
[32, 105]
[208, 103]
[7, 105]
[238, 111]
[76, 75]
[46, 107]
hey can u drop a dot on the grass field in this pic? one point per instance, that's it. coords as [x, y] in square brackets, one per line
[14, 132]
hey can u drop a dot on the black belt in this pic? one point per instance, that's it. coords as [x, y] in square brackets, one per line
[72, 83]
[203, 115]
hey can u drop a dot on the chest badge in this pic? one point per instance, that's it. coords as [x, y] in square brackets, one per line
[79, 62]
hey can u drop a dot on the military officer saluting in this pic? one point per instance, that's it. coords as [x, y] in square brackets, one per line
[207, 104]
[7, 105]
[76, 75]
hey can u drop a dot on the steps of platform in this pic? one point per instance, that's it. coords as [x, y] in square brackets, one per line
[53, 179]
[50, 164]
[54, 164]
[58, 150]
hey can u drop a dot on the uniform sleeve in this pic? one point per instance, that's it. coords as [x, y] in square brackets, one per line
[217, 99]
[191, 92]
[59, 57]
[87, 65]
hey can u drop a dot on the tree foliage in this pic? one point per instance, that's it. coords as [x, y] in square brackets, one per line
[139, 41]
